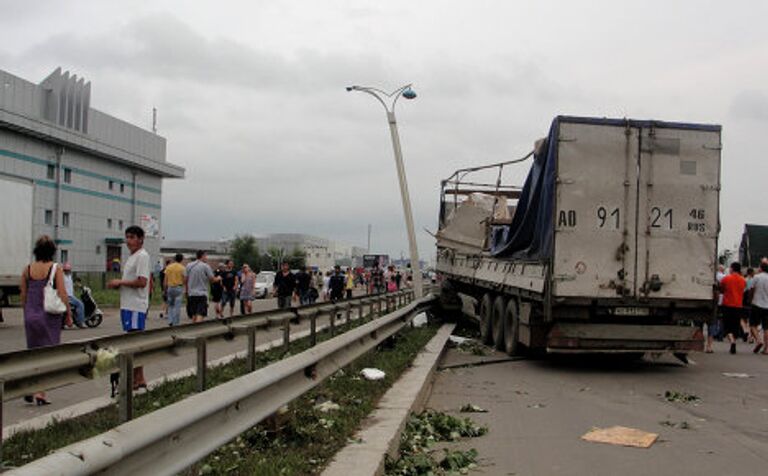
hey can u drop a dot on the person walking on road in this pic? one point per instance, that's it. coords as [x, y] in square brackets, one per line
[41, 328]
[174, 288]
[336, 285]
[303, 284]
[377, 279]
[78, 309]
[134, 291]
[284, 287]
[198, 277]
[759, 315]
[732, 288]
[229, 283]
[349, 287]
[217, 290]
[247, 289]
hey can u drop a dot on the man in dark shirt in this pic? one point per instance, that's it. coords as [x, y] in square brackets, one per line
[284, 287]
[229, 283]
[336, 284]
[303, 279]
[377, 279]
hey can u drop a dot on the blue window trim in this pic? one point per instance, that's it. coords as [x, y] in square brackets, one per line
[93, 193]
[79, 171]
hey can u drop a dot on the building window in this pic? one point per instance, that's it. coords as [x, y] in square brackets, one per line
[65, 219]
[122, 187]
[111, 185]
[109, 223]
[67, 175]
[49, 217]
[120, 225]
[64, 256]
[98, 249]
[51, 174]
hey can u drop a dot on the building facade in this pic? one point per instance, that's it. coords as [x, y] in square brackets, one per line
[93, 174]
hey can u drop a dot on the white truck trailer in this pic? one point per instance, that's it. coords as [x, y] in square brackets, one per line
[609, 246]
[16, 208]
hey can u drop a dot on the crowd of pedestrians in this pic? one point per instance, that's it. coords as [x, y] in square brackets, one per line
[743, 306]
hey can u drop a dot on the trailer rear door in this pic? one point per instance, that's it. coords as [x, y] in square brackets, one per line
[678, 210]
[596, 211]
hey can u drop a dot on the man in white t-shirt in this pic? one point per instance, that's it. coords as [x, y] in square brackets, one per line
[759, 315]
[134, 290]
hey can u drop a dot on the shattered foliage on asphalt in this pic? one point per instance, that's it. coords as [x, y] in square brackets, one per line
[470, 408]
[681, 397]
[422, 431]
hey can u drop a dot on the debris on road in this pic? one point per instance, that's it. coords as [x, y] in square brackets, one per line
[372, 374]
[621, 436]
[422, 431]
[420, 320]
[469, 346]
[327, 406]
[537, 405]
[470, 408]
[681, 397]
[458, 340]
[737, 375]
[683, 425]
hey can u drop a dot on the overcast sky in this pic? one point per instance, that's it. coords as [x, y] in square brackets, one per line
[251, 95]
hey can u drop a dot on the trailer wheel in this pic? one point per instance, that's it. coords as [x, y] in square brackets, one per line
[497, 329]
[512, 328]
[486, 318]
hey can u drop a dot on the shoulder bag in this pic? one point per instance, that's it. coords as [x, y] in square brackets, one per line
[52, 303]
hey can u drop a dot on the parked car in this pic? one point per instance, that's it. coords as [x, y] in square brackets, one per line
[264, 282]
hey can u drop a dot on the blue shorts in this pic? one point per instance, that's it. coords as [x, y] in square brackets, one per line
[133, 320]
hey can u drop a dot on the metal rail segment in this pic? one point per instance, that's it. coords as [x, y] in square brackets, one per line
[45, 368]
[174, 437]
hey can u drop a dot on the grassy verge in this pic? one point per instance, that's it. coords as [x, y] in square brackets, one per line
[304, 439]
[26, 446]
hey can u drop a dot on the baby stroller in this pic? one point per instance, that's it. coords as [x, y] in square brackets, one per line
[93, 315]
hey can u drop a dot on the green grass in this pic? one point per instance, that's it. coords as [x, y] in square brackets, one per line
[307, 438]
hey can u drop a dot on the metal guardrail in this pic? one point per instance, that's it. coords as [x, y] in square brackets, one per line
[27, 371]
[172, 438]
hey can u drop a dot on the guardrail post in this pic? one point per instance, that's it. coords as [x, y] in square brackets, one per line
[372, 310]
[349, 314]
[125, 399]
[251, 349]
[313, 328]
[378, 306]
[286, 333]
[332, 321]
[2, 395]
[360, 310]
[202, 364]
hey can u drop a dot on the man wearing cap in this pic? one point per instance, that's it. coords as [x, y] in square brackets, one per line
[74, 303]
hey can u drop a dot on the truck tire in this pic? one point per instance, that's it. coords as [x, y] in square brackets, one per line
[486, 318]
[449, 302]
[497, 328]
[512, 327]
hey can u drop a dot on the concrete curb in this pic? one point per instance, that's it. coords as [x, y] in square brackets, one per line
[381, 431]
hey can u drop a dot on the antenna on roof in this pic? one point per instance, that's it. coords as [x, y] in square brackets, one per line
[154, 120]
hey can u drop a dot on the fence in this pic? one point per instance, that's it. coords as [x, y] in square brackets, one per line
[175, 437]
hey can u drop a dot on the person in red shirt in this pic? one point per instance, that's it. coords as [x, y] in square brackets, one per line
[732, 287]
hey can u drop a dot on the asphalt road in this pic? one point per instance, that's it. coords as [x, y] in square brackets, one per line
[539, 409]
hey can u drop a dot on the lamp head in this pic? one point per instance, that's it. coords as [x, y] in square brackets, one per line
[409, 93]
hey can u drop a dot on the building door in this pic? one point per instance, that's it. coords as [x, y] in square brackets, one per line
[113, 257]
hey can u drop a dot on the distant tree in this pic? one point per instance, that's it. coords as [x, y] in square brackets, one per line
[244, 250]
[297, 259]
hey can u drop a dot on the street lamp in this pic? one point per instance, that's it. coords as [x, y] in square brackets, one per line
[389, 100]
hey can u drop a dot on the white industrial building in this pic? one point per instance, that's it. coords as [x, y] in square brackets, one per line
[92, 174]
